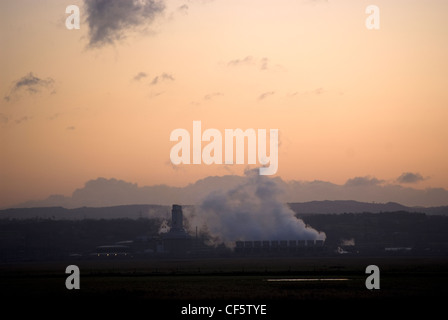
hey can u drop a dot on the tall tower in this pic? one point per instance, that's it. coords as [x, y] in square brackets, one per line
[177, 240]
[177, 230]
[177, 220]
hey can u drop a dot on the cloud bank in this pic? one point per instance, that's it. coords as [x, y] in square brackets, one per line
[111, 192]
[109, 21]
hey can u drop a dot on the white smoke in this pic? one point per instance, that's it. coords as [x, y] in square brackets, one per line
[164, 227]
[251, 211]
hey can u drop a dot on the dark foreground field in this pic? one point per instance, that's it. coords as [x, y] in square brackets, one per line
[335, 284]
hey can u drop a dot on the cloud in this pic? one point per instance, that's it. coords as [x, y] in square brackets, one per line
[212, 95]
[3, 119]
[23, 119]
[265, 95]
[261, 64]
[207, 97]
[249, 60]
[319, 91]
[156, 80]
[53, 116]
[164, 76]
[139, 76]
[109, 192]
[409, 177]
[264, 63]
[363, 182]
[156, 94]
[183, 8]
[110, 20]
[315, 92]
[30, 84]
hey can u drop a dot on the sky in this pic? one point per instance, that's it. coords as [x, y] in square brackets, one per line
[102, 100]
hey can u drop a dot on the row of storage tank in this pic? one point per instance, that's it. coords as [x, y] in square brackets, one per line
[278, 244]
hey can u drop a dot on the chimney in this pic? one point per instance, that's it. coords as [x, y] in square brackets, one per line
[177, 219]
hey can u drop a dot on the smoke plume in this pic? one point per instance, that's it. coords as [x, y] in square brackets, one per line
[250, 211]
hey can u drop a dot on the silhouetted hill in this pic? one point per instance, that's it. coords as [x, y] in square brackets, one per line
[348, 206]
[160, 211]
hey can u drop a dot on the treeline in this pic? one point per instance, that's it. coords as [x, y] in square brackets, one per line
[50, 239]
[41, 239]
[388, 229]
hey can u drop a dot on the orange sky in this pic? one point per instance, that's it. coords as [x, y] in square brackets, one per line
[347, 101]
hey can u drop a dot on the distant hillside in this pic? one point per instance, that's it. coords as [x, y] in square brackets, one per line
[348, 206]
[160, 211]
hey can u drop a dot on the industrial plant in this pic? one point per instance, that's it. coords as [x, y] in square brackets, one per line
[178, 242]
[187, 232]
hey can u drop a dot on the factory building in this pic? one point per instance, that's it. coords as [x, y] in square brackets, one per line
[279, 246]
